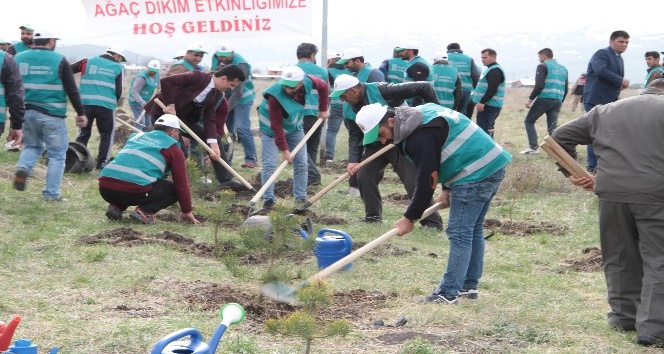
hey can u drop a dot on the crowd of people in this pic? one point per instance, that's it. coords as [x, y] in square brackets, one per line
[423, 107]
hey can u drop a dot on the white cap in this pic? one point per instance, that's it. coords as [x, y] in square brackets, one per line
[367, 120]
[406, 46]
[168, 120]
[196, 47]
[440, 56]
[342, 83]
[331, 54]
[224, 50]
[350, 53]
[2, 41]
[291, 76]
[117, 49]
[154, 65]
[44, 34]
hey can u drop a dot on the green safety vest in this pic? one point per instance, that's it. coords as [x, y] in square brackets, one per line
[444, 82]
[555, 82]
[498, 99]
[656, 69]
[140, 161]
[294, 110]
[151, 83]
[469, 154]
[41, 79]
[311, 105]
[335, 72]
[396, 70]
[3, 100]
[98, 82]
[248, 90]
[463, 63]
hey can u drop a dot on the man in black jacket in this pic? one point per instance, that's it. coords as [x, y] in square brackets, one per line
[357, 95]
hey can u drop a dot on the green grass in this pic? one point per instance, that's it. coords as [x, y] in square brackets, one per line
[72, 296]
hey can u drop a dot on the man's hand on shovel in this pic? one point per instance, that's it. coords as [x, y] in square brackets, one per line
[405, 225]
[286, 156]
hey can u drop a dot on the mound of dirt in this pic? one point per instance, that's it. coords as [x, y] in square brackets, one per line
[590, 261]
[522, 228]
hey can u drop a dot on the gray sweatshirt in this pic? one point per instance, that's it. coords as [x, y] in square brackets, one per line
[626, 136]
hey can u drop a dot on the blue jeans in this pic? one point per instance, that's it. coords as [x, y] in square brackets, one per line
[242, 125]
[271, 159]
[41, 130]
[146, 121]
[548, 106]
[592, 159]
[487, 118]
[465, 230]
[333, 124]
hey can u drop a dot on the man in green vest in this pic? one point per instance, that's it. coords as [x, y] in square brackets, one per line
[470, 75]
[27, 34]
[417, 68]
[136, 176]
[48, 82]
[447, 148]
[4, 45]
[447, 82]
[489, 95]
[102, 78]
[240, 101]
[280, 118]
[655, 69]
[11, 96]
[141, 89]
[547, 97]
[306, 60]
[394, 68]
[191, 60]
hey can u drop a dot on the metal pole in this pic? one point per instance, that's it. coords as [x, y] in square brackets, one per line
[323, 55]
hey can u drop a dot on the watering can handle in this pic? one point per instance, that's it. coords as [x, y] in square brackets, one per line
[349, 241]
[196, 338]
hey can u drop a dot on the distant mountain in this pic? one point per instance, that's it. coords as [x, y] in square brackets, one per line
[77, 52]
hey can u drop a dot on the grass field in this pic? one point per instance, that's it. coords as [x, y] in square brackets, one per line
[81, 287]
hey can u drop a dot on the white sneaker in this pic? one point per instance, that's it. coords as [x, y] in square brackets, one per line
[206, 181]
[529, 151]
[353, 192]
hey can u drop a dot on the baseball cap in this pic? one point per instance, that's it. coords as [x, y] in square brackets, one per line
[333, 54]
[169, 120]
[368, 118]
[196, 47]
[180, 54]
[2, 41]
[342, 83]
[27, 28]
[440, 56]
[116, 49]
[405, 46]
[224, 50]
[350, 53]
[45, 34]
[291, 76]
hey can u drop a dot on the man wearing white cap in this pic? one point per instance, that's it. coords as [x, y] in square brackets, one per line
[306, 60]
[447, 82]
[280, 118]
[102, 78]
[240, 101]
[353, 60]
[48, 81]
[357, 95]
[27, 35]
[141, 88]
[447, 148]
[136, 176]
[336, 107]
[191, 60]
[418, 69]
[4, 45]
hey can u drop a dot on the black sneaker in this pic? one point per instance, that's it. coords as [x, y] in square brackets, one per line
[113, 212]
[469, 293]
[268, 205]
[315, 182]
[20, 179]
[442, 299]
[372, 219]
[650, 341]
[231, 184]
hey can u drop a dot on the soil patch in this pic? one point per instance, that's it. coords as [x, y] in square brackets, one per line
[353, 305]
[590, 261]
[399, 198]
[323, 219]
[399, 337]
[386, 249]
[522, 228]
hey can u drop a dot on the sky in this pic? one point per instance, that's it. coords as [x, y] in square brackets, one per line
[376, 26]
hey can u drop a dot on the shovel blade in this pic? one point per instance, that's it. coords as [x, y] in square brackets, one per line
[280, 292]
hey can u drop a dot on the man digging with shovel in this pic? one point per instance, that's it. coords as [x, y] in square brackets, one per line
[448, 148]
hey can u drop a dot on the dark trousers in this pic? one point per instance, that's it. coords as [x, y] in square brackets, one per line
[220, 172]
[592, 159]
[312, 147]
[160, 197]
[370, 175]
[632, 249]
[487, 118]
[105, 126]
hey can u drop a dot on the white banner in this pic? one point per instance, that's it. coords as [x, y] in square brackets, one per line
[196, 20]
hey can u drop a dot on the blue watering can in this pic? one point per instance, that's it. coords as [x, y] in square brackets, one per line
[230, 313]
[25, 346]
[331, 246]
